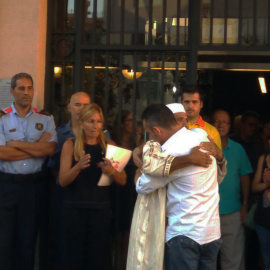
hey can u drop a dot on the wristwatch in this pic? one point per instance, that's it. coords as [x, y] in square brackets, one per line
[223, 161]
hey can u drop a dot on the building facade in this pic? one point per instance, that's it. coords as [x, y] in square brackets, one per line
[129, 53]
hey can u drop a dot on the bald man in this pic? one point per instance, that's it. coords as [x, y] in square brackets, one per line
[68, 130]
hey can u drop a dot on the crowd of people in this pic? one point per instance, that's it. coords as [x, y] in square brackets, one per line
[195, 196]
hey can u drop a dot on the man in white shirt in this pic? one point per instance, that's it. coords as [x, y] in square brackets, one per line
[193, 230]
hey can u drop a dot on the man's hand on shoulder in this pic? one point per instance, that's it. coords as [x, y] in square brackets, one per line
[212, 149]
[199, 158]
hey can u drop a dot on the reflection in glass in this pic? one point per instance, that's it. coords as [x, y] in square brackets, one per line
[115, 22]
[97, 34]
[205, 16]
[218, 27]
[105, 92]
[154, 82]
[63, 16]
[232, 31]
[262, 22]
[62, 90]
[150, 28]
[157, 84]
[218, 30]
[70, 15]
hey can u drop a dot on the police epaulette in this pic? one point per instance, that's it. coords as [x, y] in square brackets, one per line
[44, 112]
[2, 113]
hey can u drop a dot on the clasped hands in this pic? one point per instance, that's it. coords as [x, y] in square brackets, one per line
[105, 165]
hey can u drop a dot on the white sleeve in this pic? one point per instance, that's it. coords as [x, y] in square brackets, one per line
[148, 183]
[221, 173]
[154, 161]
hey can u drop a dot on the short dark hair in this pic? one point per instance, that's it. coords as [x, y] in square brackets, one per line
[19, 76]
[193, 89]
[248, 114]
[160, 115]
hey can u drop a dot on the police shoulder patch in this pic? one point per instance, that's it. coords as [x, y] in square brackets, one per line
[44, 112]
[7, 110]
[2, 113]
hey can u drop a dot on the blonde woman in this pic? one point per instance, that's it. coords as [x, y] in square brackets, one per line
[86, 217]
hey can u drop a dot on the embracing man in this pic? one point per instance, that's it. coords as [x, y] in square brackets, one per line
[193, 228]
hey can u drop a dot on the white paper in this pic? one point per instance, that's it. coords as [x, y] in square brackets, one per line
[119, 158]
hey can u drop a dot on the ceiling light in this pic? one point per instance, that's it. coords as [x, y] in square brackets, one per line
[262, 84]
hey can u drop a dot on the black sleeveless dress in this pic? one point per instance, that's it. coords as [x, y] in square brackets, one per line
[84, 192]
[87, 216]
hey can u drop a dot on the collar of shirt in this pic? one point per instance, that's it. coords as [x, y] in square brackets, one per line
[200, 123]
[31, 110]
[172, 139]
[229, 144]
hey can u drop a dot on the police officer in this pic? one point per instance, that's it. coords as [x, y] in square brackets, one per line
[27, 137]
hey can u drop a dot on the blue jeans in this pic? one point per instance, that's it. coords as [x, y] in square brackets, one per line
[264, 238]
[182, 253]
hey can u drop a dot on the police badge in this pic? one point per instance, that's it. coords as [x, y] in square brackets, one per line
[39, 126]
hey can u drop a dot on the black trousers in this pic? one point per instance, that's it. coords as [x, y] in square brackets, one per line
[21, 198]
[86, 233]
[58, 228]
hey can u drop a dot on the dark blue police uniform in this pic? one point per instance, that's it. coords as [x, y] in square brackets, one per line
[21, 189]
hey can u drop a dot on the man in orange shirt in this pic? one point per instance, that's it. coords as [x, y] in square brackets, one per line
[192, 100]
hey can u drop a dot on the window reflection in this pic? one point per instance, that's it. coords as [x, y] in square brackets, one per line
[122, 25]
[95, 31]
[213, 12]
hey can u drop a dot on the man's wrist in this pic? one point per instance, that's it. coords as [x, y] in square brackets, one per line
[220, 156]
[189, 159]
[221, 161]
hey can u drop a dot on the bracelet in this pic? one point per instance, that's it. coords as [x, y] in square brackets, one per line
[112, 171]
[222, 161]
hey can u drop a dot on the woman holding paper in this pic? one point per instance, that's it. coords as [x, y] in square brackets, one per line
[87, 214]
